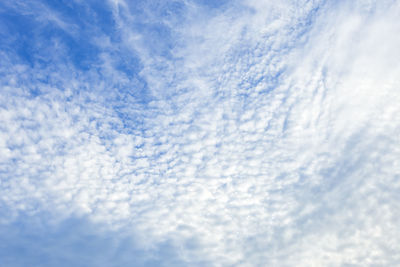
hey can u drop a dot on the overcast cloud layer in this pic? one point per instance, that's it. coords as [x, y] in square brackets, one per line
[199, 133]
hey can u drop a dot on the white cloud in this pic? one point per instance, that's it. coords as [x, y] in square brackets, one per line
[272, 137]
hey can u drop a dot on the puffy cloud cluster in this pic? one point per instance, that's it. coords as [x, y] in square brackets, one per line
[250, 133]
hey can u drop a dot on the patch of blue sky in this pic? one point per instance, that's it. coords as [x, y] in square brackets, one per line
[34, 241]
[214, 4]
[17, 34]
[91, 16]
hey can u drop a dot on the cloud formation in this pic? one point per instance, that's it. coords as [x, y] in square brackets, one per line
[247, 133]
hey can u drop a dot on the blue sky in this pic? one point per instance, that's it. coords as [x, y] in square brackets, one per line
[199, 133]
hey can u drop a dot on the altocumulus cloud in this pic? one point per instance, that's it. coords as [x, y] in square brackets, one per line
[191, 133]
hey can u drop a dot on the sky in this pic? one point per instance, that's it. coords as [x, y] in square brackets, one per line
[199, 133]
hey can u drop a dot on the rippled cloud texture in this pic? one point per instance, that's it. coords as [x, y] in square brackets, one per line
[199, 133]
